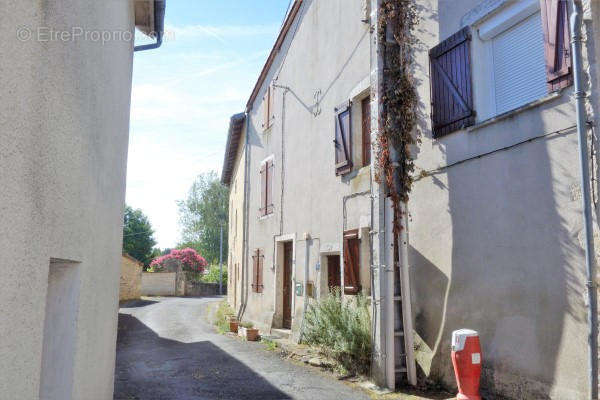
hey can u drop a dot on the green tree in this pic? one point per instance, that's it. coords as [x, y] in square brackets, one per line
[138, 240]
[202, 214]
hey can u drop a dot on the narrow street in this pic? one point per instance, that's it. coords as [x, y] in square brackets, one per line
[166, 350]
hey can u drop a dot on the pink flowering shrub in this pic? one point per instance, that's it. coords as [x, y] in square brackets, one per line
[189, 258]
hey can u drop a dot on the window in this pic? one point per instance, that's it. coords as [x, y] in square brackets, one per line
[366, 131]
[519, 70]
[343, 139]
[268, 109]
[522, 53]
[351, 262]
[266, 188]
[257, 271]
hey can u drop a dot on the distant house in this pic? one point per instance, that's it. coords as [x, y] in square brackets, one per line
[131, 278]
[495, 234]
[66, 92]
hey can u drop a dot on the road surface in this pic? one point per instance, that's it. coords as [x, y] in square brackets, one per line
[166, 350]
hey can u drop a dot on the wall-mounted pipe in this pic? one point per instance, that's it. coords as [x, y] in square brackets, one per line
[159, 26]
[576, 40]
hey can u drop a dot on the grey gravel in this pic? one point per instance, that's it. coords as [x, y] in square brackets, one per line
[166, 350]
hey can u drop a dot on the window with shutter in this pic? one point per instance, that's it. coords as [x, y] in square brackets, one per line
[259, 272]
[351, 262]
[366, 131]
[555, 23]
[518, 58]
[269, 190]
[343, 139]
[263, 190]
[268, 108]
[450, 74]
[255, 271]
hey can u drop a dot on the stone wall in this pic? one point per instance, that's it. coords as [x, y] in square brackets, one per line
[158, 283]
[199, 289]
[131, 279]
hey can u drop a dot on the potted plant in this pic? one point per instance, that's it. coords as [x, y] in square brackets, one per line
[248, 331]
[233, 324]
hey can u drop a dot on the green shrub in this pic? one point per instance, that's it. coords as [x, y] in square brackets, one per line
[222, 315]
[342, 329]
[212, 276]
[270, 345]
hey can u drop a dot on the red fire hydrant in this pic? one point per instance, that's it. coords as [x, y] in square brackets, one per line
[466, 358]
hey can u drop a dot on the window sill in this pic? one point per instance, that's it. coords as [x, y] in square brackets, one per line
[518, 110]
[263, 217]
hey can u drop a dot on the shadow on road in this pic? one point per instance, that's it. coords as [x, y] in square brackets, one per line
[149, 367]
[136, 303]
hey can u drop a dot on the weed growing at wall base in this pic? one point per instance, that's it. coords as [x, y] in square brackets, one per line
[222, 315]
[341, 328]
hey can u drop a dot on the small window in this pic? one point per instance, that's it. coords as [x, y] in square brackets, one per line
[266, 188]
[343, 139]
[351, 262]
[366, 131]
[257, 271]
[268, 109]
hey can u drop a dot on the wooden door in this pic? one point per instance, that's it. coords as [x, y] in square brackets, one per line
[287, 285]
[333, 272]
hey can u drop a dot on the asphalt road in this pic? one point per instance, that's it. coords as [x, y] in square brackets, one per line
[166, 350]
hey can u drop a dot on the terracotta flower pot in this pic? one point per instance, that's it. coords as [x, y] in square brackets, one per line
[233, 325]
[251, 334]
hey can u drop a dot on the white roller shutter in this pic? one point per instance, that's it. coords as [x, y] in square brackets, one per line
[519, 64]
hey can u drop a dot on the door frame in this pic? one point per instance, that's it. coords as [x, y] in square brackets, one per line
[278, 278]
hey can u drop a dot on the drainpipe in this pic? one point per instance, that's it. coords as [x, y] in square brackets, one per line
[159, 26]
[576, 40]
[244, 288]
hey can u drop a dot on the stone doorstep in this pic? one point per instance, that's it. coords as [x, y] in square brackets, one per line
[281, 333]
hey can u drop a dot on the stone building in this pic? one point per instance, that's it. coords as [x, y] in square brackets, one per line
[131, 278]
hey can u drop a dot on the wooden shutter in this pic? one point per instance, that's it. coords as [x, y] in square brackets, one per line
[268, 108]
[351, 262]
[343, 139]
[269, 188]
[555, 23]
[450, 75]
[259, 271]
[255, 271]
[263, 190]
[366, 131]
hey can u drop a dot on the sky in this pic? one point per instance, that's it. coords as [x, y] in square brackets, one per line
[183, 95]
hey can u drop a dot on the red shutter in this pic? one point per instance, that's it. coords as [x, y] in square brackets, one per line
[263, 189]
[343, 139]
[366, 131]
[450, 75]
[269, 188]
[555, 23]
[259, 272]
[351, 262]
[255, 271]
